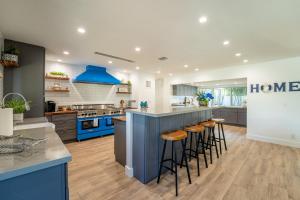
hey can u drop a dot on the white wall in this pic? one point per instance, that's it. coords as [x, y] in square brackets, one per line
[139, 90]
[272, 117]
[93, 93]
[1, 67]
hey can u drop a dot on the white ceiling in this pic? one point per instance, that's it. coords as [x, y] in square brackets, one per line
[261, 30]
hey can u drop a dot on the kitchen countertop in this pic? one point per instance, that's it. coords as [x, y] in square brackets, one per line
[30, 123]
[60, 112]
[167, 111]
[50, 153]
[120, 118]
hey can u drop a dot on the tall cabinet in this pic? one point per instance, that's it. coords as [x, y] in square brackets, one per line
[28, 78]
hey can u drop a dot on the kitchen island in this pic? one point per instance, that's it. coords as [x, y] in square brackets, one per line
[143, 130]
[36, 173]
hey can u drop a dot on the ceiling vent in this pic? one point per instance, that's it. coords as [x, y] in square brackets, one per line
[114, 57]
[163, 58]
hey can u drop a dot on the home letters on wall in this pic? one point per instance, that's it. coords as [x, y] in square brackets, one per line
[293, 86]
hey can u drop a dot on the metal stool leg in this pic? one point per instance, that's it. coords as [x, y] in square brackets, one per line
[176, 178]
[172, 157]
[186, 162]
[161, 161]
[223, 136]
[220, 139]
[203, 149]
[197, 154]
[209, 140]
[215, 141]
[191, 145]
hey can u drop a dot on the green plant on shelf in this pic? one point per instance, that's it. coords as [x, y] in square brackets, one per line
[57, 73]
[12, 50]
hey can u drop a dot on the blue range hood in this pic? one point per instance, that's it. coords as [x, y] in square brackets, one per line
[96, 75]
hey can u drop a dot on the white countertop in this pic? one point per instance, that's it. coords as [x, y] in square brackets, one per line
[167, 111]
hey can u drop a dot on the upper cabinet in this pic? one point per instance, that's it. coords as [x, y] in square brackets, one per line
[184, 90]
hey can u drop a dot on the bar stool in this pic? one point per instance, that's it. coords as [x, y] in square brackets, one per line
[211, 138]
[219, 122]
[197, 132]
[174, 136]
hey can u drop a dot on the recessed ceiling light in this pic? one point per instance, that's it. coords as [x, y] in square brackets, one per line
[197, 69]
[137, 49]
[66, 52]
[137, 67]
[238, 54]
[226, 42]
[81, 30]
[110, 62]
[170, 74]
[158, 72]
[202, 19]
[186, 66]
[245, 61]
[59, 60]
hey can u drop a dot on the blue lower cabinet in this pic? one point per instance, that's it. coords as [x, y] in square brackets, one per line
[46, 184]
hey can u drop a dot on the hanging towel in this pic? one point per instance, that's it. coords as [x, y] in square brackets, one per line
[95, 122]
[6, 121]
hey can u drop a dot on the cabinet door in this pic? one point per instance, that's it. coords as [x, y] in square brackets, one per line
[242, 117]
[229, 114]
[175, 90]
[216, 113]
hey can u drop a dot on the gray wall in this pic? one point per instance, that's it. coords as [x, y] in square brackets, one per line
[28, 79]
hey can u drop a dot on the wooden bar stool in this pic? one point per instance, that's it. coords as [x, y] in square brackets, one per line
[210, 138]
[219, 122]
[174, 137]
[197, 132]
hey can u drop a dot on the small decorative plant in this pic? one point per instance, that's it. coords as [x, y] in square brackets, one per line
[17, 105]
[12, 50]
[203, 98]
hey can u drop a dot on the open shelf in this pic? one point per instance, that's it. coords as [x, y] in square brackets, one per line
[57, 78]
[62, 90]
[7, 63]
[123, 92]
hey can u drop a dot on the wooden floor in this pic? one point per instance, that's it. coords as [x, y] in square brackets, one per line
[249, 170]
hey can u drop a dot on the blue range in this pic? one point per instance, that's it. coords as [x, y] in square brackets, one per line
[89, 127]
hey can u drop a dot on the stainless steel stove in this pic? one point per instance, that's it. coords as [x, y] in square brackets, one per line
[95, 120]
[96, 110]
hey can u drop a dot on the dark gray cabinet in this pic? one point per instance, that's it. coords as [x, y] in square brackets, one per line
[65, 125]
[237, 116]
[120, 141]
[184, 90]
[28, 79]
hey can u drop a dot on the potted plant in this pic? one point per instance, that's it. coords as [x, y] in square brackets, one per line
[203, 98]
[11, 54]
[18, 106]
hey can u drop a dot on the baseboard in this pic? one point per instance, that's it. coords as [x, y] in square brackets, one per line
[279, 141]
[128, 171]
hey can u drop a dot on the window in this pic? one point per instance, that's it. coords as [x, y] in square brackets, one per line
[233, 96]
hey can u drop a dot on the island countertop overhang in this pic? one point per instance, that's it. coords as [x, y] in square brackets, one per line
[168, 111]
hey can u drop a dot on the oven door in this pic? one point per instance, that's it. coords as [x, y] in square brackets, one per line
[91, 123]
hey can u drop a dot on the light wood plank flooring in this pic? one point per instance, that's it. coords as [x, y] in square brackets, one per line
[249, 170]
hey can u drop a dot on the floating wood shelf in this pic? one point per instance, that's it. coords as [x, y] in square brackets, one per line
[62, 90]
[57, 78]
[123, 92]
[8, 63]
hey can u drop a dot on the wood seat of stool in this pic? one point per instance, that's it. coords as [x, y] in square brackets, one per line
[175, 135]
[218, 120]
[195, 129]
[208, 124]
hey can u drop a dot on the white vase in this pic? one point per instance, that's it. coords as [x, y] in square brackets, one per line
[18, 117]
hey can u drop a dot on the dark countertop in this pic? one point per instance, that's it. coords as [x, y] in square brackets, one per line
[120, 118]
[50, 153]
[60, 112]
